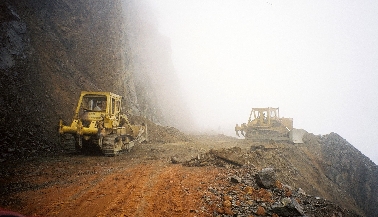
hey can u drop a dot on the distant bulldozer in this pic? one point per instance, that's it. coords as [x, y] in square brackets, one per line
[98, 124]
[265, 124]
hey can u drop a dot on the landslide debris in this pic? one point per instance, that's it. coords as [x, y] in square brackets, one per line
[223, 157]
[248, 191]
[160, 134]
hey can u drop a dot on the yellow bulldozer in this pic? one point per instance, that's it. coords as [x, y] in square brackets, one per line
[265, 124]
[98, 124]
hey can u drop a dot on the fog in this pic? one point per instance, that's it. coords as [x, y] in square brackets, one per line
[315, 60]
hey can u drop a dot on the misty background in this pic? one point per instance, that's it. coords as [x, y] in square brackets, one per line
[315, 60]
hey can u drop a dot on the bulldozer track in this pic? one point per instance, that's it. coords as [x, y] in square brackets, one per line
[108, 145]
[67, 142]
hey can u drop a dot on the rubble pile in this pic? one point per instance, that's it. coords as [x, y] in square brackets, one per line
[158, 133]
[243, 190]
[229, 158]
[245, 195]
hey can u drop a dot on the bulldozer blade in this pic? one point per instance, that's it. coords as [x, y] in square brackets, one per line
[296, 135]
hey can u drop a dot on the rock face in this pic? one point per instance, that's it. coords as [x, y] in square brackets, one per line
[51, 50]
[346, 167]
[14, 41]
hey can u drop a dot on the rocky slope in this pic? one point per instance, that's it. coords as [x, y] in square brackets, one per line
[350, 170]
[324, 166]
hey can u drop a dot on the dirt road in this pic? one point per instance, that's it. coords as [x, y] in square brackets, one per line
[141, 183]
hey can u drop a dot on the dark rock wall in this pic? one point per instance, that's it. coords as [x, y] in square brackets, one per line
[347, 176]
[351, 171]
[21, 108]
[53, 49]
[157, 85]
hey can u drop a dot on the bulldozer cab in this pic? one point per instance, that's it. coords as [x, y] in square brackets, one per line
[95, 105]
[263, 116]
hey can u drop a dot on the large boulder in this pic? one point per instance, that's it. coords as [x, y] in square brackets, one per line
[266, 178]
[288, 207]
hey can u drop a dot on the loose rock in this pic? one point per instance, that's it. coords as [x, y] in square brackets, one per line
[266, 178]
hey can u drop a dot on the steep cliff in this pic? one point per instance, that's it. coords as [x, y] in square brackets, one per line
[51, 50]
[351, 171]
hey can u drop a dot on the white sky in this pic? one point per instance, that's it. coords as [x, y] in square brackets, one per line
[316, 60]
